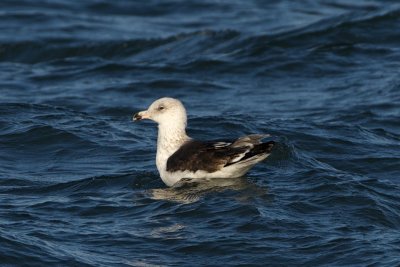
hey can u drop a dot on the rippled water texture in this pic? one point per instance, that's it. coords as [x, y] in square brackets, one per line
[78, 182]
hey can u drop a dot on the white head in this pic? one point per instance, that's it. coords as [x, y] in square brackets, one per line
[164, 111]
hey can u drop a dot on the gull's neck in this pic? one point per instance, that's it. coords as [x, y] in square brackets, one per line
[170, 139]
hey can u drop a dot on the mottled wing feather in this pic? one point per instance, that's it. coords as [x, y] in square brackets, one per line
[257, 150]
[253, 139]
[195, 155]
[212, 156]
[221, 144]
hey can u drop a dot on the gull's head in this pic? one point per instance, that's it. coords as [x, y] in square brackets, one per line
[164, 110]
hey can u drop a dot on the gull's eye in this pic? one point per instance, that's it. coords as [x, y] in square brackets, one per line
[161, 108]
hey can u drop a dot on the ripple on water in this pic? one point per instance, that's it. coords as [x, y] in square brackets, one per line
[78, 182]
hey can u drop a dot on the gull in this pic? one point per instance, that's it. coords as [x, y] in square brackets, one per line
[181, 157]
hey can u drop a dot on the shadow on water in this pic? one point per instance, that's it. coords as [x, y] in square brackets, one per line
[189, 191]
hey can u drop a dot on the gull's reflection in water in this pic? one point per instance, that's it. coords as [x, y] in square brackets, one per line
[191, 190]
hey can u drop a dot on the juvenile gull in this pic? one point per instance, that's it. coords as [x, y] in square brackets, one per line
[179, 156]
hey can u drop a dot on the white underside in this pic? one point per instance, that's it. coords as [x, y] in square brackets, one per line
[231, 171]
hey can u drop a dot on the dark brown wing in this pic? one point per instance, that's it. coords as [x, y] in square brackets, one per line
[212, 156]
[206, 156]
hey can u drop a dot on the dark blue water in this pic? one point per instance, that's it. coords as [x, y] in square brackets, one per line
[78, 182]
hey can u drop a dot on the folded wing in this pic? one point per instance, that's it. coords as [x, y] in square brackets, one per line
[213, 156]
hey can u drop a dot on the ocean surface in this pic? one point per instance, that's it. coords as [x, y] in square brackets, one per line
[78, 181]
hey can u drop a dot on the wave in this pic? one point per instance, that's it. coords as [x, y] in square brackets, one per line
[226, 42]
[78, 183]
[319, 48]
[339, 34]
[59, 50]
[123, 183]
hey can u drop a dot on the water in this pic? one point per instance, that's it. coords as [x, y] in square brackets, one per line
[78, 182]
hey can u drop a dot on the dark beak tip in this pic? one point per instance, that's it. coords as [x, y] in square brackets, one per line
[137, 117]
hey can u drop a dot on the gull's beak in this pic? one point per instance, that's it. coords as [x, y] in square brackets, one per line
[140, 116]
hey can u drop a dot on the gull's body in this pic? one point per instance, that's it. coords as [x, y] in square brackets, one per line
[179, 156]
